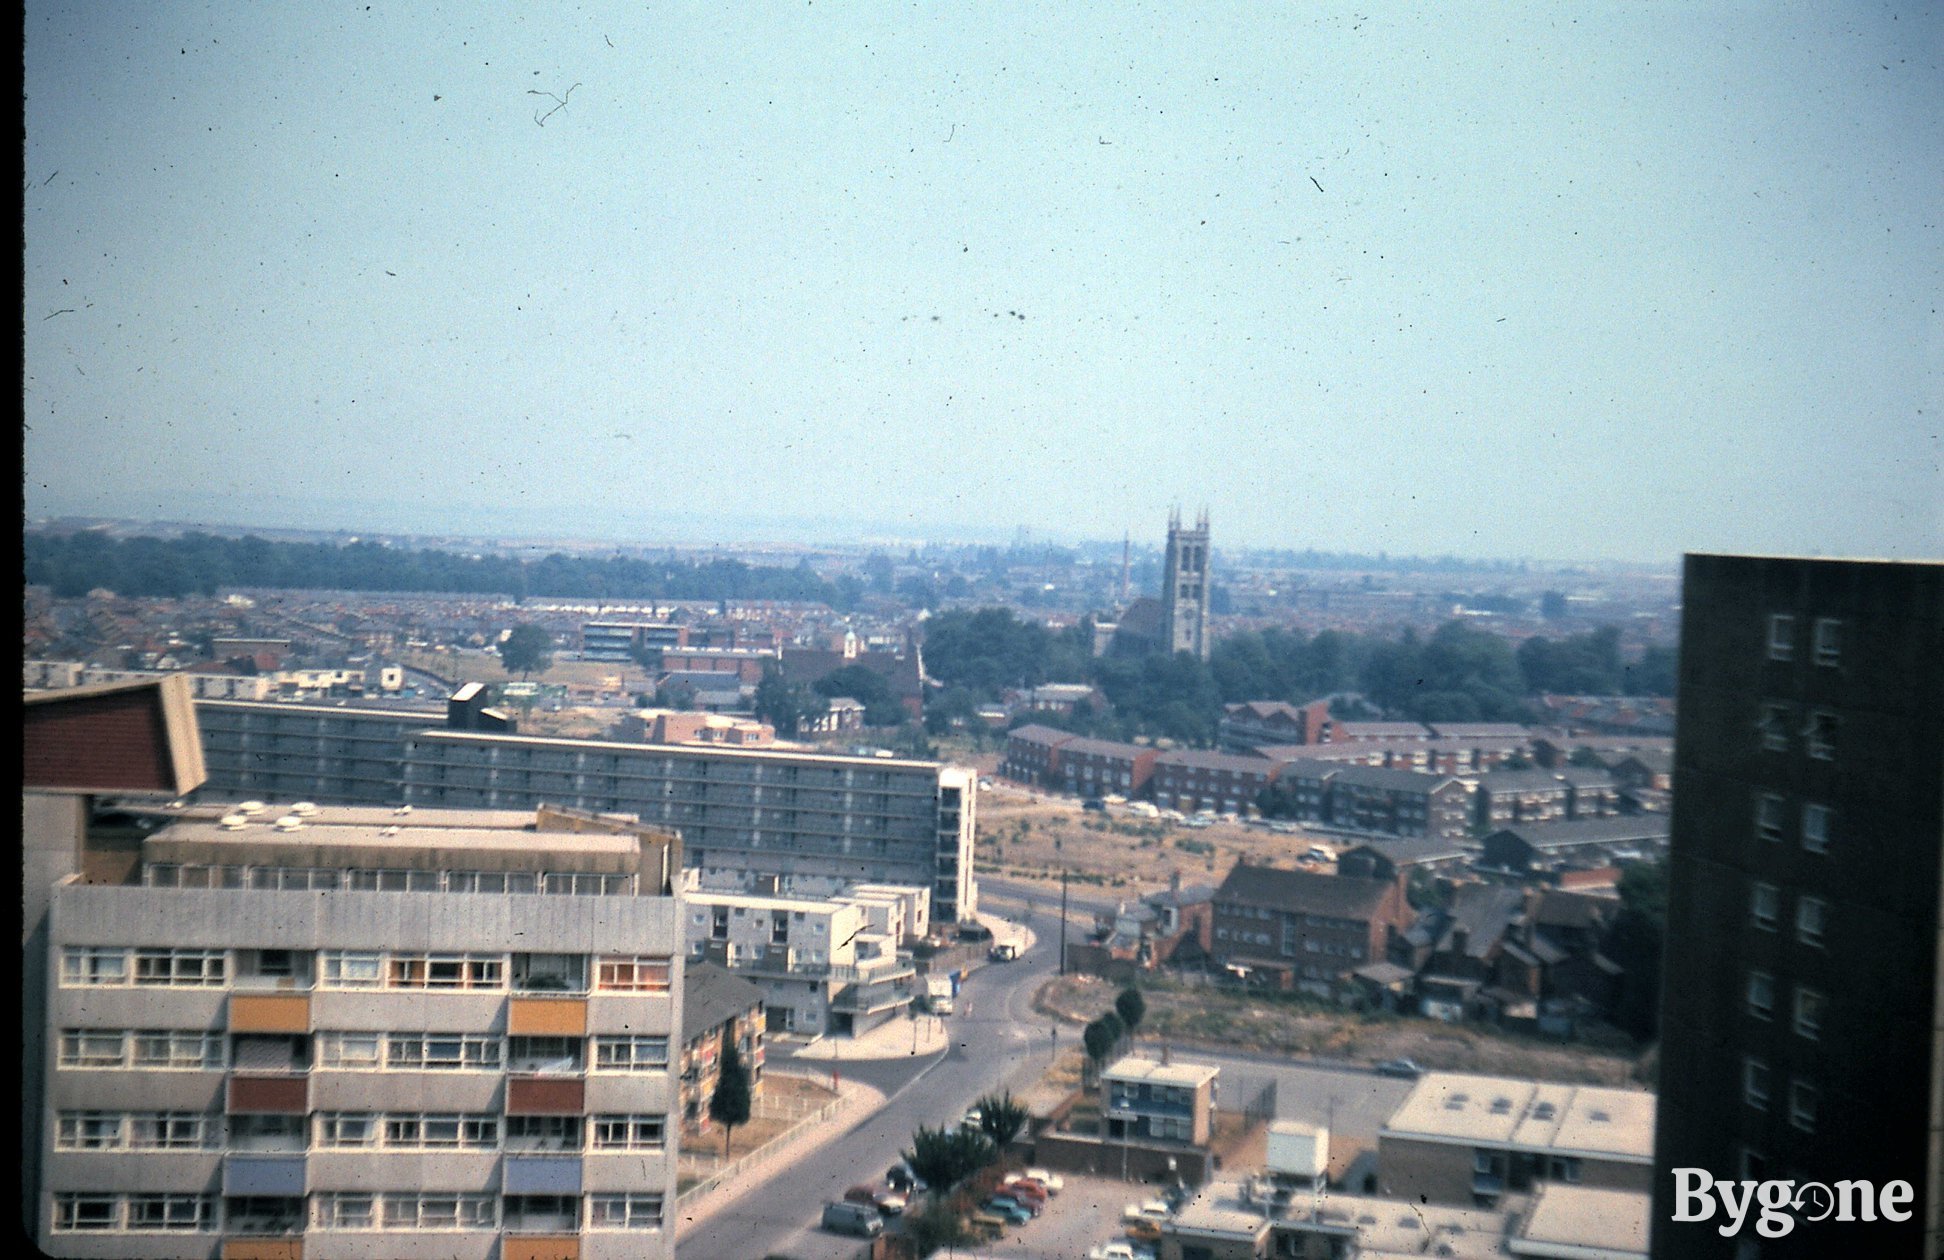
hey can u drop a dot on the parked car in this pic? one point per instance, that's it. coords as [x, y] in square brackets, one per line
[1011, 1209]
[852, 1218]
[1144, 1231]
[1026, 1192]
[1404, 1069]
[885, 1201]
[1155, 1210]
[1053, 1182]
[1034, 1206]
[1019, 1181]
[900, 1177]
[1093, 804]
[1121, 1251]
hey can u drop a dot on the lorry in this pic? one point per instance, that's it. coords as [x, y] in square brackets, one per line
[938, 994]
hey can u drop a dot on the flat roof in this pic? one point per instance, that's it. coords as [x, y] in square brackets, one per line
[1156, 1072]
[712, 750]
[1585, 1224]
[350, 815]
[261, 830]
[1542, 1117]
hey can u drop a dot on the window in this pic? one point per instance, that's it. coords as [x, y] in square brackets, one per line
[88, 1048]
[1769, 810]
[1828, 636]
[475, 1131]
[1810, 913]
[1808, 1013]
[624, 1211]
[1761, 994]
[171, 1212]
[91, 965]
[1781, 637]
[351, 969]
[345, 1211]
[1755, 1084]
[195, 968]
[1821, 735]
[348, 1049]
[77, 1212]
[1765, 906]
[89, 1131]
[1775, 727]
[641, 974]
[341, 1129]
[440, 1211]
[630, 1054]
[445, 971]
[629, 1133]
[543, 1133]
[162, 1048]
[1815, 828]
[1566, 1168]
[172, 1131]
[1802, 1106]
[443, 1052]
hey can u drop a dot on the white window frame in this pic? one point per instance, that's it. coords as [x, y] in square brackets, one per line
[351, 969]
[1812, 920]
[1802, 1106]
[443, 1052]
[1827, 640]
[630, 1054]
[1815, 827]
[1781, 636]
[347, 1130]
[428, 1131]
[173, 1131]
[351, 1051]
[440, 1211]
[180, 1213]
[68, 1217]
[640, 973]
[181, 968]
[1770, 811]
[625, 1211]
[1765, 907]
[94, 966]
[1809, 1008]
[1775, 727]
[91, 1131]
[630, 1132]
[346, 1210]
[1760, 995]
[1755, 1083]
[170, 1049]
[1819, 735]
[86, 1049]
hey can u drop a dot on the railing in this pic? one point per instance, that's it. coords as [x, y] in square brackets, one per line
[723, 1173]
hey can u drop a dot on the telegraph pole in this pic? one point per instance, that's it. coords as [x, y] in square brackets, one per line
[1063, 919]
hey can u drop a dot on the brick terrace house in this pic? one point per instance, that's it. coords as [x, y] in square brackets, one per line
[1254, 723]
[1401, 802]
[1099, 767]
[1522, 796]
[1300, 930]
[1223, 782]
[1033, 755]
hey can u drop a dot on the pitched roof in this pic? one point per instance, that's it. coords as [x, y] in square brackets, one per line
[1641, 828]
[1304, 892]
[1520, 781]
[1034, 733]
[711, 996]
[1392, 780]
[1196, 759]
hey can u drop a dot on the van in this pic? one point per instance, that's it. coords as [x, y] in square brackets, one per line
[852, 1218]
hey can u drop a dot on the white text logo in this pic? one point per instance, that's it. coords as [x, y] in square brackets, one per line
[1779, 1204]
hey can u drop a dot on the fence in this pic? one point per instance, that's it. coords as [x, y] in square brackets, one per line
[810, 1113]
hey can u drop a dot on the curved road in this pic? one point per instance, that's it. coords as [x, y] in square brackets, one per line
[997, 1043]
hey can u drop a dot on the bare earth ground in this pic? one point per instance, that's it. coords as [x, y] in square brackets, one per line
[1223, 1019]
[783, 1102]
[1025, 836]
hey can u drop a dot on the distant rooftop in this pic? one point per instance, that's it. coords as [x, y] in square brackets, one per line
[1155, 1072]
[1540, 1117]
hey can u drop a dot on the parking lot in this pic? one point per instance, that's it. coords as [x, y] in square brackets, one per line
[1086, 1213]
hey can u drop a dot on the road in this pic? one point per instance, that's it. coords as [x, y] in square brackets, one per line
[998, 1043]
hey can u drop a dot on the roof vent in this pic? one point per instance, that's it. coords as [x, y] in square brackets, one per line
[1544, 1111]
[289, 822]
[388, 831]
[1599, 1117]
[403, 809]
[232, 822]
[1500, 1106]
[250, 807]
[304, 809]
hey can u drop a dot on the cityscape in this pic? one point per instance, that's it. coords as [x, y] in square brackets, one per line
[1231, 633]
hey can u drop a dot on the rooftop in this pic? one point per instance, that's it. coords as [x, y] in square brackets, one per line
[1155, 1072]
[1584, 1223]
[1615, 1124]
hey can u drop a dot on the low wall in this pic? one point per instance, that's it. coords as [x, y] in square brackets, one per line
[1130, 1161]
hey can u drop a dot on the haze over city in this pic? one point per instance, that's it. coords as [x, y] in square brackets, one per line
[1487, 281]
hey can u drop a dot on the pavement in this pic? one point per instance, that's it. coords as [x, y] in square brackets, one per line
[856, 1101]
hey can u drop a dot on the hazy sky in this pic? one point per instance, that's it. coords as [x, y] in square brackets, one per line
[1582, 281]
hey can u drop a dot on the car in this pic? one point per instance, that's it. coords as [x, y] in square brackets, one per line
[972, 1119]
[852, 1218]
[1113, 1251]
[1034, 1206]
[1026, 1192]
[1404, 1069]
[900, 1177]
[1155, 1210]
[1053, 1182]
[890, 1202]
[1144, 1231]
[1031, 1185]
[1011, 1209]
[1094, 805]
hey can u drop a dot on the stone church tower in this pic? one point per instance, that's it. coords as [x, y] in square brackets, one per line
[1184, 587]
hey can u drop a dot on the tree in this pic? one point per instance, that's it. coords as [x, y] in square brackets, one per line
[783, 705]
[1131, 1007]
[944, 1157]
[1635, 942]
[1001, 1118]
[1100, 1038]
[526, 650]
[729, 1105]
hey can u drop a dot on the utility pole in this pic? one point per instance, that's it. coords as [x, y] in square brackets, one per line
[1063, 919]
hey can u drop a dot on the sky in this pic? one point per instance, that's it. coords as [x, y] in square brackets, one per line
[1554, 282]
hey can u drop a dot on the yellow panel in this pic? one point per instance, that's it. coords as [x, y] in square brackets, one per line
[546, 1017]
[269, 1013]
[263, 1249]
[538, 1247]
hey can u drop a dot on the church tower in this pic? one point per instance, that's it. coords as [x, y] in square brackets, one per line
[1184, 586]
